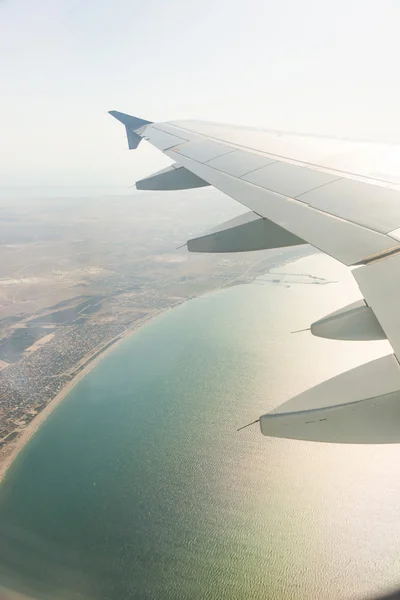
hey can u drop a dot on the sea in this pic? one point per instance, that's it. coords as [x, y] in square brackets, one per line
[138, 485]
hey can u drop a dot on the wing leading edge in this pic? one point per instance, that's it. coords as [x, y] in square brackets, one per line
[325, 192]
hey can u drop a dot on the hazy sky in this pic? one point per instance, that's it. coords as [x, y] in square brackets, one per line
[329, 67]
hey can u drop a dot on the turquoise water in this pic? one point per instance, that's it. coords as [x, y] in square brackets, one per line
[138, 486]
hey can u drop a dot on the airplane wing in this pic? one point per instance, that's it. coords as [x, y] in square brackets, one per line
[342, 197]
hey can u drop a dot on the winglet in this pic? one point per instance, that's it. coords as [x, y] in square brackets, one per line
[131, 125]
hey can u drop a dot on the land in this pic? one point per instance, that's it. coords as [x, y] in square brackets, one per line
[77, 275]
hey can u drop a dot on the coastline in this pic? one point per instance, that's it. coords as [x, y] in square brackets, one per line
[11, 453]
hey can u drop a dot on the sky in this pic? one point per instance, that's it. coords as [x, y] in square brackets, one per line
[310, 66]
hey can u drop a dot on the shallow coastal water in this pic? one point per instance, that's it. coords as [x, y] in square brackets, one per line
[138, 486]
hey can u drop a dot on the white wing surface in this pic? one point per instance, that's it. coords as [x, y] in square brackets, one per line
[341, 196]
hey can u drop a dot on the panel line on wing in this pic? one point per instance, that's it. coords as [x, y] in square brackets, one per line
[230, 151]
[253, 170]
[203, 151]
[316, 188]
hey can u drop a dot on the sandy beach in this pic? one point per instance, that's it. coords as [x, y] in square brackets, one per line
[9, 454]
[11, 451]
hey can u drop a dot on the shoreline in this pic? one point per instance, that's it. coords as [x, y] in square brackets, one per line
[29, 431]
[9, 454]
